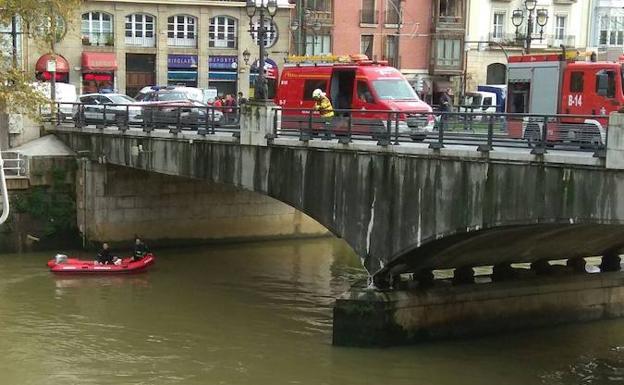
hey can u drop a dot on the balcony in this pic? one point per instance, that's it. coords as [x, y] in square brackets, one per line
[369, 16]
[451, 23]
[568, 41]
[98, 39]
[182, 42]
[324, 17]
[146, 42]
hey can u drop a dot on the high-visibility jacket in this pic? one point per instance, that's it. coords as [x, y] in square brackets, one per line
[324, 107]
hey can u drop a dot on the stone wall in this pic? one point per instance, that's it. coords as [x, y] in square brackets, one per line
[114, 203]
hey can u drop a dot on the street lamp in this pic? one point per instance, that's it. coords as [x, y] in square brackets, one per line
[541, 17]
[304, 24]
[260, 89]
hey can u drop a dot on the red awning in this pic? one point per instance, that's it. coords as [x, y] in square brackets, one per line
[61, 63]
[99, 62]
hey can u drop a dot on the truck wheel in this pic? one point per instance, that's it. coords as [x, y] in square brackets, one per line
[418, 137]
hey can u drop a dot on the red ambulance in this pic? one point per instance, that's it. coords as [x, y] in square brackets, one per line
[369, 89]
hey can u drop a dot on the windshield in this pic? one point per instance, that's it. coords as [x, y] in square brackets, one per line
[394, 89]
[172, 96]
[121, 99]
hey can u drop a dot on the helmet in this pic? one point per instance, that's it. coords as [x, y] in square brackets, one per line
[317, 93]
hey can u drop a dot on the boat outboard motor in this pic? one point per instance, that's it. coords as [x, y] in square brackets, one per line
[4, 192]
[60, 258]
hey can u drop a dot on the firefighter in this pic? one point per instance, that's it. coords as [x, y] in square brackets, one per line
[323, 105]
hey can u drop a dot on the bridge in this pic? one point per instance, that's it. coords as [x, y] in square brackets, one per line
[408, 207]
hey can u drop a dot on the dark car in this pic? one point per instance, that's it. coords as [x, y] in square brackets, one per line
[168, 106]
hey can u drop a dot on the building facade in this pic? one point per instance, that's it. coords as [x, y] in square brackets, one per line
[491, 35]
[125, 45]
[606, 29]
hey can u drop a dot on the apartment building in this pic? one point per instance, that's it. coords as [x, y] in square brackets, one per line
[492, 35]
[125, 45]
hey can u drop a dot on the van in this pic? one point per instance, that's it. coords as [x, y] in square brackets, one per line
[64, 93]
[370, 89]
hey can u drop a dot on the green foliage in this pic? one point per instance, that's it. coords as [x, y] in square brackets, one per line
[45, 21]
[54, 205]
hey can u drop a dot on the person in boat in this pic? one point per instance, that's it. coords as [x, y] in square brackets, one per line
[104, 257]
[140, 249]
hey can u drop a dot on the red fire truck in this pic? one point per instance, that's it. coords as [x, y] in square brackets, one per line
[557, 84]
[374, 92]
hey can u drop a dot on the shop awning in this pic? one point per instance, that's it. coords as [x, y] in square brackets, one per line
[186, 76]
[222, 76]
[61, 63]
[99, 62]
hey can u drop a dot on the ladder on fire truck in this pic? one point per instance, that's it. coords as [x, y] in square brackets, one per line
[4, 192]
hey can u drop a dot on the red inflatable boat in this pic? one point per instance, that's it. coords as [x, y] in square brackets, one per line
[78, 266]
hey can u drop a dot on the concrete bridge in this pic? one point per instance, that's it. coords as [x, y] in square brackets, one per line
[407, 208]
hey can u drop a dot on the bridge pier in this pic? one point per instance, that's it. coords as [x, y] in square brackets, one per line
[370, 318]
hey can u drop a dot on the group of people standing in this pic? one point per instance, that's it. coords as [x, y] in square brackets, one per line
[229, 104]
[104, 257]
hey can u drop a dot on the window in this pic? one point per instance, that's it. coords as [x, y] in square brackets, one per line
[140, 30]
[610, 82]
[181, 31]
[366, 45]
[318, 44]
[391, 51]
[394, 89]
[576, 82]
[270, 37]
[363, 92]
[392, 11]
[97, 28]
[448, 53]
[222, 32]
[310, 85]
[611, 30]
[319, 5]
[368, 13]
[498, 25]
[560, 26]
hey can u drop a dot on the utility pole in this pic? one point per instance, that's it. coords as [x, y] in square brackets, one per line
[398, 36]
[14, 39]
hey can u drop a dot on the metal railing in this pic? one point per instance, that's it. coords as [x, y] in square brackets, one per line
[141, 41]
[15, 164]
[98, 39]
[182, 42]
[4, 191]
[174, 116]
[484, 130]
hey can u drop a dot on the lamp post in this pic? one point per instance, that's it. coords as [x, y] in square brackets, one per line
[541, 18]
[303, 25]
[270, 8]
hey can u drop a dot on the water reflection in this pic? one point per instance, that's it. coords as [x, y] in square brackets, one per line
[253, 314]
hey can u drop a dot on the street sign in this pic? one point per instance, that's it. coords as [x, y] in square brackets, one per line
[51, 66]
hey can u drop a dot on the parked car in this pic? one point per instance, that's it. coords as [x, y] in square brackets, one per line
[117, 107]
[161, 106]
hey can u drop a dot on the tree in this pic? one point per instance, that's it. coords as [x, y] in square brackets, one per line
[44, 21]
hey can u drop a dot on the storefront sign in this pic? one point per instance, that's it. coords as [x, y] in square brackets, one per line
[270, 68]
[223, 63]
[182, 61]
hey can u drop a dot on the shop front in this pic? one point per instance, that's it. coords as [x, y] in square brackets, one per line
[271, 72]
[98, 72]
[223, 74]
[182, 70]
[61, 70]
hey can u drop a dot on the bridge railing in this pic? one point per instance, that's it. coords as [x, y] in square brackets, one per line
[172, 116]
[485, 130]
[15, 164]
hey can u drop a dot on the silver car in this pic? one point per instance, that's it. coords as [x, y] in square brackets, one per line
[117, 106]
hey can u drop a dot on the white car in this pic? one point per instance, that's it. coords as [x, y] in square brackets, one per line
[117, 106]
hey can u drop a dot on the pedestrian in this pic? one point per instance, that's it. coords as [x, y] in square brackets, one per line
[231, 109]
[218, 103]
[446, 103]
[140, 249]
[241, 99]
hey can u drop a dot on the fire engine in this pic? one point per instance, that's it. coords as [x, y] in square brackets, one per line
[559, 84]
[368, 88]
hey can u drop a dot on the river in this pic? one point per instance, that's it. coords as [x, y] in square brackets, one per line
[254, 313]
